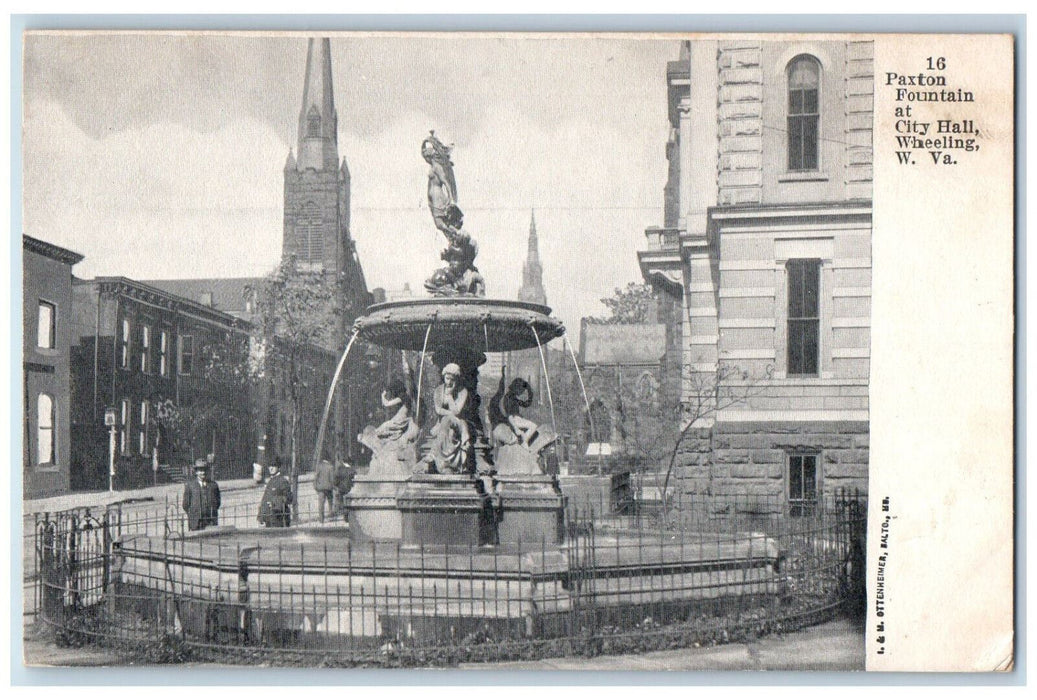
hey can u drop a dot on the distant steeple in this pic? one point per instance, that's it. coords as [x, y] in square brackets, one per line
[532, 273]
[318, 121]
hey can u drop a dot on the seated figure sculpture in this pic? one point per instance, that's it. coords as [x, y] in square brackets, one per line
[519, 439]
[393, 442]
[451, 448]
[449, 453]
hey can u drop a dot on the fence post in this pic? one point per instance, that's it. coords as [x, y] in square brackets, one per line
[51, 608]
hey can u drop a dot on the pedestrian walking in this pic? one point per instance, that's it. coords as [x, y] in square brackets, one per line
[275, 510]
[201, 499]
[324, 485]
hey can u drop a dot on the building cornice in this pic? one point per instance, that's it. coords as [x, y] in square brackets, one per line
[55, 252]
[860, 210]
[158, 298]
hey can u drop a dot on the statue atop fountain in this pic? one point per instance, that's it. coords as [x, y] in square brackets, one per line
[460, 277]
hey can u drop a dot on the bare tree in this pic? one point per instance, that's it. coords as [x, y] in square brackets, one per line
[295, 319]
[707, 393]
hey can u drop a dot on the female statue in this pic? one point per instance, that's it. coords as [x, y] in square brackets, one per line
[442, 189]
[452, 434]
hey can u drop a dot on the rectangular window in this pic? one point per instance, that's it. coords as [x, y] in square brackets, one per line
[145, 349]
[804, 277]
[44, 429]
[143, 440]
[124, 345]
[45, 325]
[802, 485]
[186, 355]
[124, 418]
[163, 354]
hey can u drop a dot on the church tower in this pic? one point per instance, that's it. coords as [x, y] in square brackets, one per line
[532, 273]
[316, 184]
[316, 228]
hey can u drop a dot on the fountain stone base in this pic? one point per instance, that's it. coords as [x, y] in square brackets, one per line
[371, 507]
[446, 509]
[532, 509]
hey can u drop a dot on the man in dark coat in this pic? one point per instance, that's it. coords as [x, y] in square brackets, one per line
[324, 485]
[201, 499]
[344, 475]
[275, 510]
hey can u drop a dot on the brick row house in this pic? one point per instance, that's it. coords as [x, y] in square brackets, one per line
[764, 263]
[47, 334]
[171, 368]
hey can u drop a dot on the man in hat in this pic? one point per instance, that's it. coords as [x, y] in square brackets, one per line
[201, 499]
[275, 510]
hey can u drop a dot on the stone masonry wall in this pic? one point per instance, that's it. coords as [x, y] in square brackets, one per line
[749, 459]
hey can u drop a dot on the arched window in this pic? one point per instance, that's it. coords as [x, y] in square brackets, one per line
[44, 429]
[804, 83]
[310, 234]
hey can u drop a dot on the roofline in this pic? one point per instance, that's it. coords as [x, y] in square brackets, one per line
[229, 319]
[50, 250]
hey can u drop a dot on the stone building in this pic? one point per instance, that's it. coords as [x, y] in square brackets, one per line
[763, 262]
[46, 338]
[170, 368]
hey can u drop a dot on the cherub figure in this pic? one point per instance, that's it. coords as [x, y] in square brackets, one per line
[392, 443]
[519, 439]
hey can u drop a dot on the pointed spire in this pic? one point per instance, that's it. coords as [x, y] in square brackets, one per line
[289, 163]
[532, 273]
[318, 121]
[533, 250]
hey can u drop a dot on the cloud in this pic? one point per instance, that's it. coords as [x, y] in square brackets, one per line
[174, 169]
[157, 201]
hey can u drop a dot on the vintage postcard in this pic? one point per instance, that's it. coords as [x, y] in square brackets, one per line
[518, 351]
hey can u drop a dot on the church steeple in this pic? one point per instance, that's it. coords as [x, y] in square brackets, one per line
[532, 273]
[318, 121]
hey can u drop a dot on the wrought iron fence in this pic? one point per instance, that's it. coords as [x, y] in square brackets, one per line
[718, 570]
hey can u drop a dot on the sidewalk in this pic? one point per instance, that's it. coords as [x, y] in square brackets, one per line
[832, 646]
[96, 499]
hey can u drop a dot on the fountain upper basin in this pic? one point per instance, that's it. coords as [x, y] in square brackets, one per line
[491, 325]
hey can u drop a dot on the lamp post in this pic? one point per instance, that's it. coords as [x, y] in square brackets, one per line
[109, 420]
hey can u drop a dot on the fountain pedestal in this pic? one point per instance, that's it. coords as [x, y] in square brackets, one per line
[446, 509]
[532, 509]
[371, 507]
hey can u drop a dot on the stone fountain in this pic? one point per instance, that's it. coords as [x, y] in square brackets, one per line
[453, 480]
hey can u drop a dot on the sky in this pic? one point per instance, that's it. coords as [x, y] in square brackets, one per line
[161, 155]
